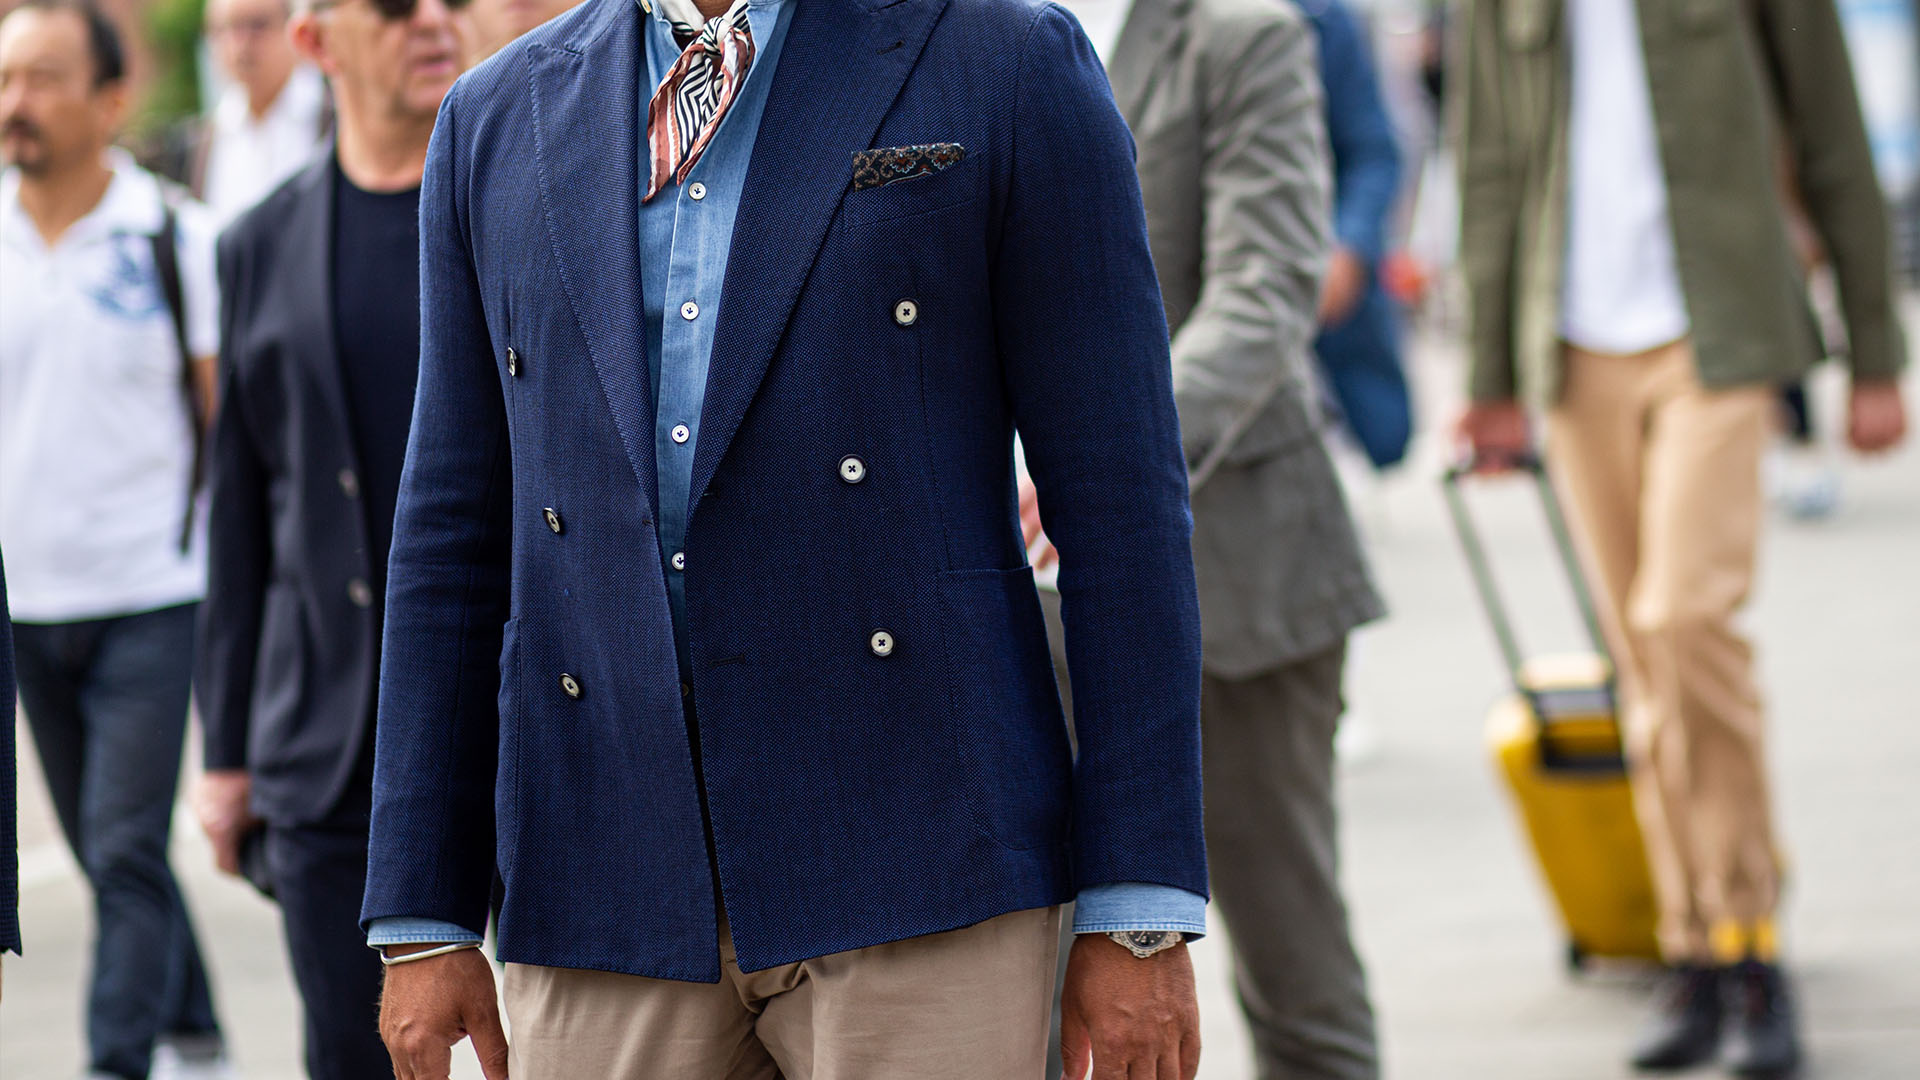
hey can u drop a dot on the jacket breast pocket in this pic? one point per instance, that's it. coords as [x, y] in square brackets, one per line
[952, 186]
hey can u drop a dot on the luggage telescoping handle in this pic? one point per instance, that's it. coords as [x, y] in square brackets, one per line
[1483, 578]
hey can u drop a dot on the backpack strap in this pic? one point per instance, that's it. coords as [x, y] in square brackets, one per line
[166, 265]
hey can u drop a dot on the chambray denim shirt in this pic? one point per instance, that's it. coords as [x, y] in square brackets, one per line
[687, 232]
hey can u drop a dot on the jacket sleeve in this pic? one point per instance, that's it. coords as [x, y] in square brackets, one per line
[432, 836]
[1083, 345]
[1812, 73]
[239, 545]
[1366, 159]
[1489, 198]
[1265, 184]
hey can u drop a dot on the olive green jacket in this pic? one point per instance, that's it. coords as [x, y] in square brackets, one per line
[1732, 82]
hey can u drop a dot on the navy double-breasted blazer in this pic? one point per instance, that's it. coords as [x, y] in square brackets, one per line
[836, 792]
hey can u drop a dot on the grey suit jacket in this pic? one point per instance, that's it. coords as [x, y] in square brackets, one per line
[1225, 102]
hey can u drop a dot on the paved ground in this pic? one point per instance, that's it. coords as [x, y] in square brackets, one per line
[1464, 957]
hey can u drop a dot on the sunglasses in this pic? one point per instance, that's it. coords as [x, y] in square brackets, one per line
[392, 10]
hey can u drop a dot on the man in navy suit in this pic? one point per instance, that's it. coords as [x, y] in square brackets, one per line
[709, 627]
[319, 352]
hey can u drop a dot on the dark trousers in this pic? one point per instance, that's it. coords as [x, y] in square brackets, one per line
[106, 700]
[318, 874]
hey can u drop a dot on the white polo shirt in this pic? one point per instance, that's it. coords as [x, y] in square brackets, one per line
[95, 436]
[1622, 292]
[248, 158]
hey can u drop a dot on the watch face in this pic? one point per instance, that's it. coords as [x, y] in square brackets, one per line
[1146, 939]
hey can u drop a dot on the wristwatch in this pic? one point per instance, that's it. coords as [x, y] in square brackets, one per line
[1144, 943]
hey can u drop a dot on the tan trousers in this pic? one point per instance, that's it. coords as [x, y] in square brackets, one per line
[970, 1004]
[1663, 477]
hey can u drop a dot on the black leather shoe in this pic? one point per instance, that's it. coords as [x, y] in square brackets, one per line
[1684, 1029]
[1763, 1039]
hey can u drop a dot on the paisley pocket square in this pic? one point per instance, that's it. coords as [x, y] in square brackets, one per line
[878, 168]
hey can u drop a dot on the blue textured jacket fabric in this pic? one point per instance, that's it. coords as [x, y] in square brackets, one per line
[9, 829]
[837, 792]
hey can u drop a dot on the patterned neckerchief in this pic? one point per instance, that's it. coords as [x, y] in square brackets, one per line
[690, 102]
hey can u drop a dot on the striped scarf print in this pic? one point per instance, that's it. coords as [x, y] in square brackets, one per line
[694, 97]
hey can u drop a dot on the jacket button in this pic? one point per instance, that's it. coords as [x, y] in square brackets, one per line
[570, 685]
[881, 642]
[349, 484]
[360, 593]
[553, 520]
[905, 312]
[852, 469]
[686, 690]
[513, 363]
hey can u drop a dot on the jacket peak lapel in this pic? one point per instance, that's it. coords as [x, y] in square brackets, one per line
[842, 66]
[585, 99]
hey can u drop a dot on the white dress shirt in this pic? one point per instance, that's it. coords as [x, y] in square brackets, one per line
[249, 156]
[1621, 293]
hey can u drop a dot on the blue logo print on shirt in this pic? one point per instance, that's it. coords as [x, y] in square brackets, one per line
[129, 291]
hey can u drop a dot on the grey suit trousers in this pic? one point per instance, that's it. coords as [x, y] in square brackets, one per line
[1273, 863]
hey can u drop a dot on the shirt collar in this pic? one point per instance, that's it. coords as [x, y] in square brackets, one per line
[298, 100]
[130, 205]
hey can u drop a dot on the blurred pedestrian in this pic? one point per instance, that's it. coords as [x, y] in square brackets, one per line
[1359, 347]
[497, 22]
[268, 121]
[107, 336]
[318, 363]
[1225, 102]
[1654, 306]
[708, 625]
[9, 834]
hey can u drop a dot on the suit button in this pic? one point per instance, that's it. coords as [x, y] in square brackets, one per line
[360, 593]
[881, 642]
[852, 469]
[905, 312]
[349, 484]
[686, 690]
[681, 433]
[513, 363]
[553, 520]
[679, 560]
[570, 685]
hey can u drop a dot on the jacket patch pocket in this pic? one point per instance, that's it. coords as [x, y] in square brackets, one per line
[1009, 733]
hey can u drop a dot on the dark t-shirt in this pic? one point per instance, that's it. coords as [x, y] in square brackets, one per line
[376, 330]
[376, 326]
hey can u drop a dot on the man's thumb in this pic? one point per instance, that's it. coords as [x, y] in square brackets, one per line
[490, 1044]
[1076, 1049]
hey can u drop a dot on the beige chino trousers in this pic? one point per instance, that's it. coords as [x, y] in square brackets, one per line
[969, 1004]
[1663, 479]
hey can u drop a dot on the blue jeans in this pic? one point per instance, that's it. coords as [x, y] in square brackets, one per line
[106, 701]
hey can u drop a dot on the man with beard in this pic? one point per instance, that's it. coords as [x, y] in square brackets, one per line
[320, 348]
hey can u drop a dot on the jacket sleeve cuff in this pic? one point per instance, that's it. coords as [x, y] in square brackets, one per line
[1133, 905]
[402, 930]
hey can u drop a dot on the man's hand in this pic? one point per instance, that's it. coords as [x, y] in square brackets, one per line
[1876, 416]
[1039, 548]
[1131, 1019]
[220, 801]
[429, 1005]
[1496, 432]
[1343, 287]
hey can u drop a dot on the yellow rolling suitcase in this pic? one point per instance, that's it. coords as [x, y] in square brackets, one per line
[1557, 742]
